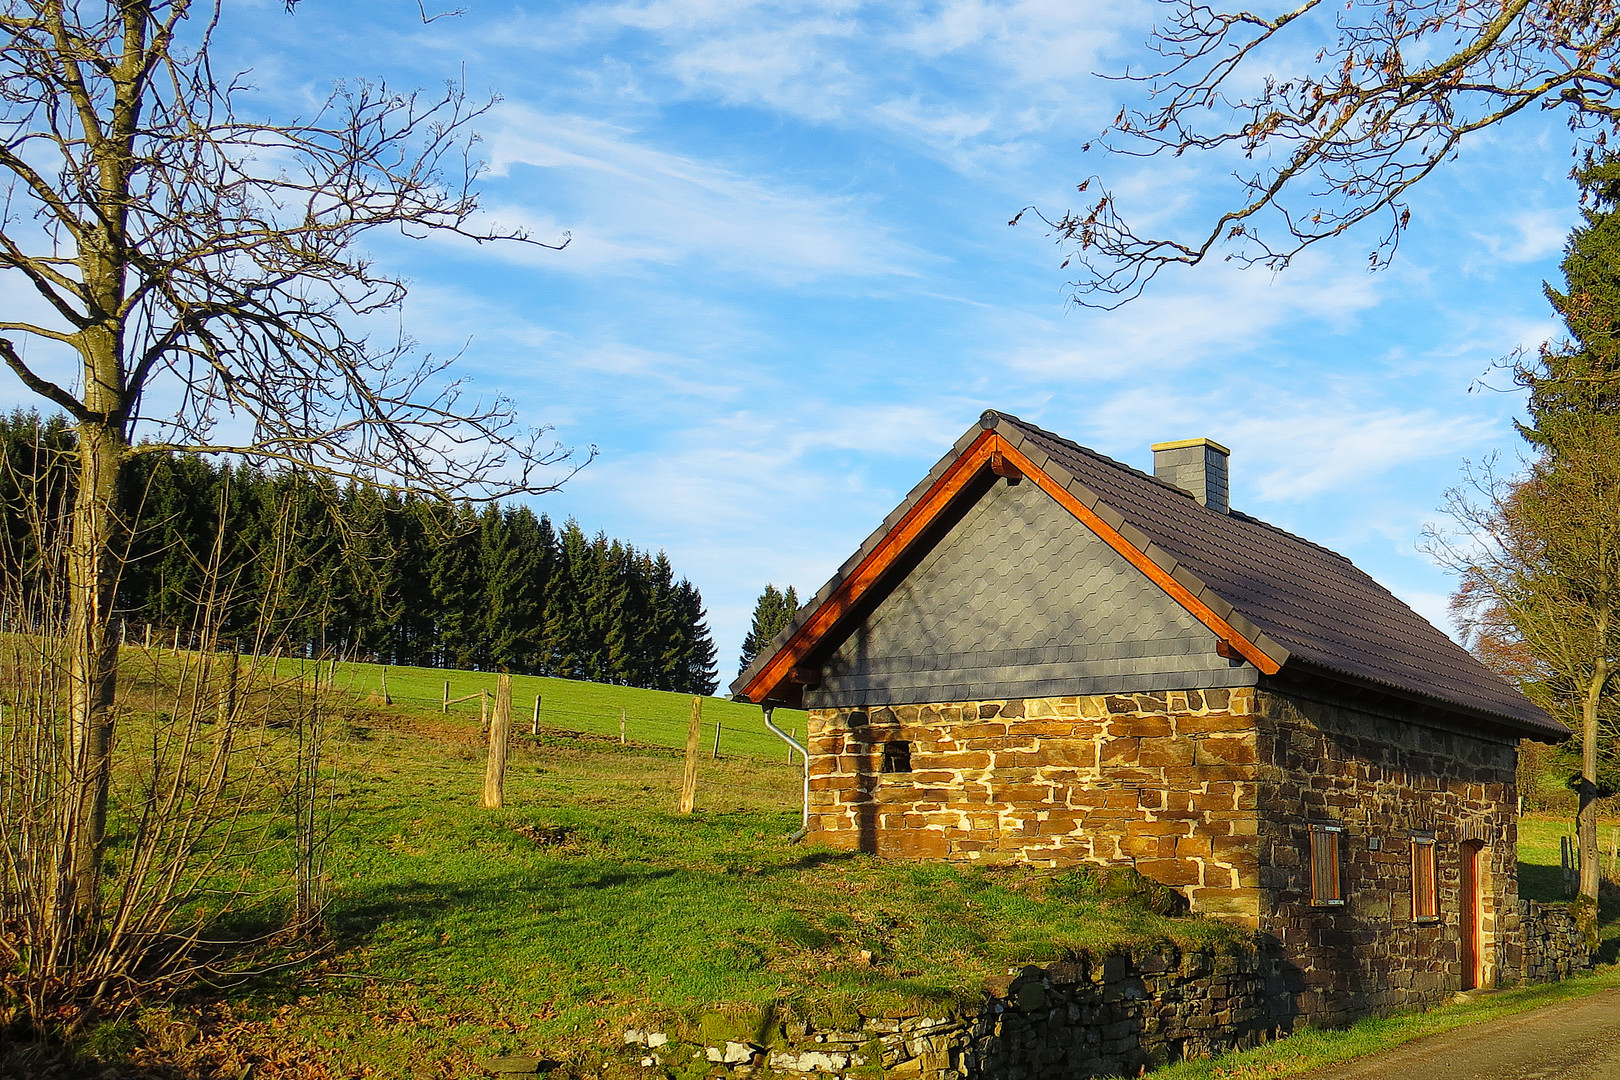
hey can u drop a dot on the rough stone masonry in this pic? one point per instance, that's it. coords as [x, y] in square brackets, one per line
[1214, 792]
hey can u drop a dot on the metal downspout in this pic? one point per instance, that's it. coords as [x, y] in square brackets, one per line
[804, 824]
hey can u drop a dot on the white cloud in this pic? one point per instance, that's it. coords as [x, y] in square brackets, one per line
[1225, 313]
[966, 81]
[1528, 236]
[635, 204]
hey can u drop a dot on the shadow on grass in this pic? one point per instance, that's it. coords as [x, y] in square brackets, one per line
[1544, 884]
[811, 860]
[355, 923]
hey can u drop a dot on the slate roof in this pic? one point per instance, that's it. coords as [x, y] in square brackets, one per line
[1305, 606]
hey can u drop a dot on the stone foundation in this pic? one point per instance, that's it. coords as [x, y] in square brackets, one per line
[1164, 781]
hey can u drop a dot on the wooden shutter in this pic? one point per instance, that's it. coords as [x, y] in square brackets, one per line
[1425, 896]
[1325, 885]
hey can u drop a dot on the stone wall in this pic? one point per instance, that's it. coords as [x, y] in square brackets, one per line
[1383, 779]
[1164, 780]
[1550, 948]
[1092, 1016]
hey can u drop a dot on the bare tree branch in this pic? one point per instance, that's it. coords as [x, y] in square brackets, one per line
[1393, 90]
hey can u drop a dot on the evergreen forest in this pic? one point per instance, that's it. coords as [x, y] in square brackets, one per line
[365, 573]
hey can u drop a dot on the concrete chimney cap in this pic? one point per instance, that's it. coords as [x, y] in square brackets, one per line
[1179, 443]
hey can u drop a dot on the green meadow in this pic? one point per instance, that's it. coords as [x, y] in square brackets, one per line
[587, 904]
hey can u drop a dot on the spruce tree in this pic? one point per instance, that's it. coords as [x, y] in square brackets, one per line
[697, 673]
[772, 611]
[1575, 384]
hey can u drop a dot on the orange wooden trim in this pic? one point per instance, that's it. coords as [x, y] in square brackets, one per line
[1004, 468]
[987, 447]
[1156, 573]
[890, 548]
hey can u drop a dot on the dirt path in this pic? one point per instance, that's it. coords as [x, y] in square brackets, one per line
[1573, 1040]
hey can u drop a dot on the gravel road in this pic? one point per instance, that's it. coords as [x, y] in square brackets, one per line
[1573, 1040]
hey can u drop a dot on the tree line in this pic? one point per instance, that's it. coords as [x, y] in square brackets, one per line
[364, 572]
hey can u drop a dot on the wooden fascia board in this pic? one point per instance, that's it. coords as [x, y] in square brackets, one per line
[1143, 561]
[899, 538]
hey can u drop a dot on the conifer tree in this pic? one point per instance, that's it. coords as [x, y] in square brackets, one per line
[697, 674]
[453, 575]
[772, 611]
[369, 573]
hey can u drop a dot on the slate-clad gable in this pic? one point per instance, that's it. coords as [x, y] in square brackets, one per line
[1019, 599]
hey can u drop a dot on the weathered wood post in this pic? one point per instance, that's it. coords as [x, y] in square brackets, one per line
[483, 712]
[694, 736]
[386, 699]
[715, 754]
[500, 730]
[444, 702]
[621, 727]
[534, 727]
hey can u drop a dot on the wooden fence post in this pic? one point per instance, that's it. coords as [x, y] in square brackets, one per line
[694, 736]
[621, 727]
[483, 712]
[386, 699]
[534, 728]
[500, 731]
[444, 704]
[715, 755]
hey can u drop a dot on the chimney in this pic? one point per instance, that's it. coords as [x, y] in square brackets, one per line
[1196, 466]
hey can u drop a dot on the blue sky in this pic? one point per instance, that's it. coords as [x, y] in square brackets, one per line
[792, 283]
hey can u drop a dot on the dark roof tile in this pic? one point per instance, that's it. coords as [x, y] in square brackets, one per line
[1314, 602]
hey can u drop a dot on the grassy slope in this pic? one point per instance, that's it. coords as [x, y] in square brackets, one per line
[651, 716]
[586, 904]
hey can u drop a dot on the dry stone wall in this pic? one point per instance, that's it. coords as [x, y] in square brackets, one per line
[1549, 947]
[1091, 1016]
[1164, 780]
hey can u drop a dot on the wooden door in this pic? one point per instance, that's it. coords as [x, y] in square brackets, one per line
[1469, 913]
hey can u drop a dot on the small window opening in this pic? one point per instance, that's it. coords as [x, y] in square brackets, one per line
[1425, 896]
[1326, 888]
[897, 756]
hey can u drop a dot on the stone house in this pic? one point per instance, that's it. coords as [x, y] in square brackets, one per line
[1046, 656]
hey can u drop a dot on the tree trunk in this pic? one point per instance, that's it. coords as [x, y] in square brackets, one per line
[1586, 823]
[92, 661]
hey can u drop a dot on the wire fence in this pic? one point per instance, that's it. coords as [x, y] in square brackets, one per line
[645, 717]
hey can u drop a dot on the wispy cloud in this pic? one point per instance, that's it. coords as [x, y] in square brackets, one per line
[967, 81]
[627, 203]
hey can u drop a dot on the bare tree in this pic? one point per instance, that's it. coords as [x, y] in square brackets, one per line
[1379, 95]
[1539, 561]
[198, 282]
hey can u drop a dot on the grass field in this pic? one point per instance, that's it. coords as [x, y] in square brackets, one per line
[587, 904]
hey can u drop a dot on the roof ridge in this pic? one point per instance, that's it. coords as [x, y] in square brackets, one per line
[1105, 459]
